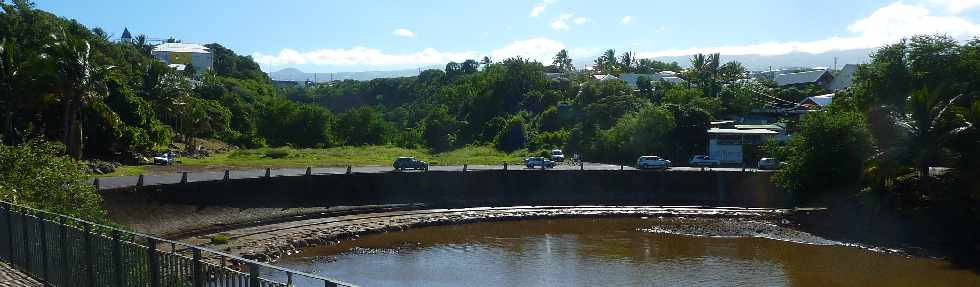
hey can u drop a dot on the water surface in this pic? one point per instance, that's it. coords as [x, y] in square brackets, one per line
[615, 252]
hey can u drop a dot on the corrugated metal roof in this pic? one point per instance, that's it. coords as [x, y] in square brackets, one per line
[631, 79]
[799, 78]
[181, 48]
[843, 78]
[742, 132]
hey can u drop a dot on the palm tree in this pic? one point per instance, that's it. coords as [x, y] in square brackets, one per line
[486, 62]
[142, 44]
[81, 82]
[929, 126]
[731, 71]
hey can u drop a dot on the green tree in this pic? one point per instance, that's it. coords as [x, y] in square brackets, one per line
[440, 128]
[563, 62]
[645, 132]
[829, 151]
[513, 136]
[363, 126]
[36, 174]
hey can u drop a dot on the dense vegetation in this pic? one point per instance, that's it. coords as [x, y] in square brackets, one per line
[914, 106]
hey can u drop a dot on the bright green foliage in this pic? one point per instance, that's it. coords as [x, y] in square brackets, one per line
[363, 126]
[645, 132]
[830, 151]
[37, 174]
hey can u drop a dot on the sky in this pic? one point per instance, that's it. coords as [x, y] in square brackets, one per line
[347, 36]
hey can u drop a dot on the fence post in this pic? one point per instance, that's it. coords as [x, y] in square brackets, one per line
[253, 274]
[348, 169]
[197, 277]
[309, 170]
[117, 258]
[505, 165]
[464, 167]
[89, 263]
[27, 241]
[268, 172]
[63, 238]
[183, 177]
[44, 247]
[581, 165]
[10, 232]
[289, 279]
[227, 175]
[139, 181]
[153, 261]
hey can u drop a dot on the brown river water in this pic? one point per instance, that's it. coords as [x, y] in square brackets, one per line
[617, 252]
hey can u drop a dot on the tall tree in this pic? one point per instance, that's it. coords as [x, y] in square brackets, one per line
[81, 82]
[563, 62]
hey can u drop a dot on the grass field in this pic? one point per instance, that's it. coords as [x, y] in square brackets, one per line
[337, 156]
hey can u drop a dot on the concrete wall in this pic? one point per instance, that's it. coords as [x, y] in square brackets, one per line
[469, 189]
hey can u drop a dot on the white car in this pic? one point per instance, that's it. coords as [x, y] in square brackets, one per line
[557, 155]
[164, 159]
[652, 161]
[703, 160]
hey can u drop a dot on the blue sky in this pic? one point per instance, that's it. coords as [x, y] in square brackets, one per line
[332, 36]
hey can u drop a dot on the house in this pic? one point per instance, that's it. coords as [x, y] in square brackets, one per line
[606, 77]
[816, 77]
[673, 80]
[184, 54]
[817, 102]
[631, 79]
[843, 78]
[126, 36]
[726, 144]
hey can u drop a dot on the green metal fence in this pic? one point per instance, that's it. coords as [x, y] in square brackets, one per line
[66, 251]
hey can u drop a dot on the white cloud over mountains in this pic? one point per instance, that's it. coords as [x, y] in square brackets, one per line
[885, 25]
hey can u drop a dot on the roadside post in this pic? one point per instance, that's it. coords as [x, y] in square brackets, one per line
[139, 181]
[183, 177]
[464, 167]
[505, 165]
[309, 170]
[268, 172]
[227, 175]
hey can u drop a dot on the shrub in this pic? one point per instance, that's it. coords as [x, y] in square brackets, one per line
[277, 153]
[38, 174]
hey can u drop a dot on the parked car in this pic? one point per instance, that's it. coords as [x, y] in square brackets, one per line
[652, 161]
[407, 162]
[533, 162]
[164, 159]
[769, 163]
[703, 160]
[557, 155]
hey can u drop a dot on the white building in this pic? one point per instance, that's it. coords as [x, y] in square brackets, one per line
[179, 55]
[726, 144]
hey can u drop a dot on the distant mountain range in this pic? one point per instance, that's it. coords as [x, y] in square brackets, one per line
[751, 62]
[293, 74]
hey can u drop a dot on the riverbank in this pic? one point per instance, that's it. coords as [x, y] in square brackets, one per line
[268, 242]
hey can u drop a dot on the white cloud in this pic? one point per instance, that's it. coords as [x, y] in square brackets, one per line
[627, 19]
[538, 9]
[559, 25]
[360, 56]
[884, 26]
[402, 32]
[541, 49]
[583, 52]
[580, 20]
[957, 6]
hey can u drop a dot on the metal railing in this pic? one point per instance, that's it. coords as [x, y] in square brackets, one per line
[66, 251]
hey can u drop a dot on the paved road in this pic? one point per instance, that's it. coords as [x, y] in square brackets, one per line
[199, 174]
[10, 277]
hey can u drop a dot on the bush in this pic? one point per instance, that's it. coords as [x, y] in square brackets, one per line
[220, 239]
[277, 153]
[38, 174]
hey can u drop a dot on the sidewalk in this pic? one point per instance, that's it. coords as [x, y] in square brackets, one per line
[10, 277]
